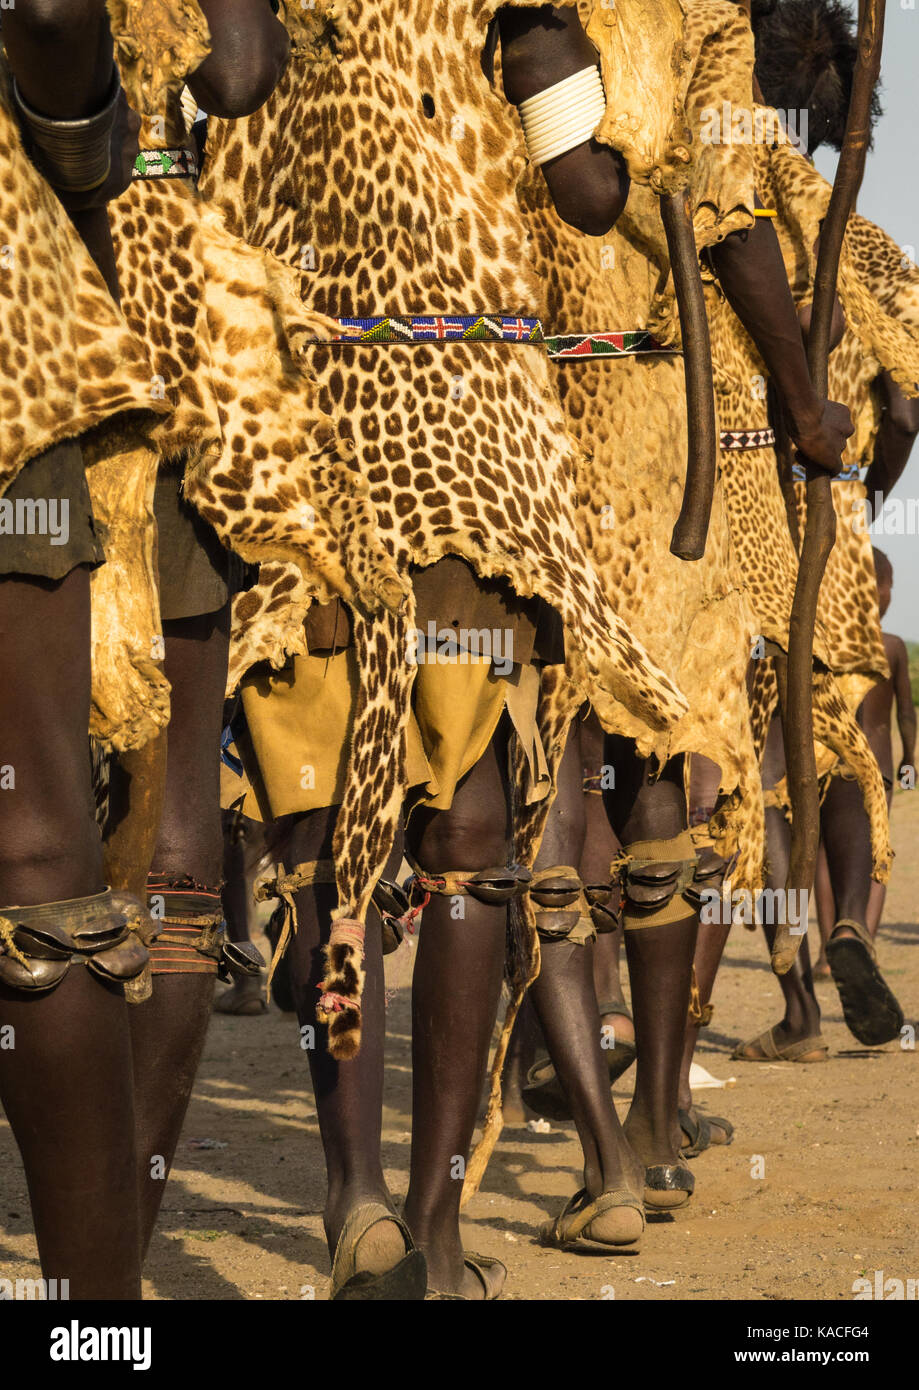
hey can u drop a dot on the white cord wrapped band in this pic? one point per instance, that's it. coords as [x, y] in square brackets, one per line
[563, 116]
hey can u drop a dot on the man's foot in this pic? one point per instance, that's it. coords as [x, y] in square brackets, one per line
[617, 1037]
[821, 969]
[781, 1043]
[373, 1255]
[619, 1021]
[614, 1221]
[870, 1008]
[380, 1245]
[482, 1280]
[666, 1181]
[455, 1273]
[701, 1131]
[243, 998]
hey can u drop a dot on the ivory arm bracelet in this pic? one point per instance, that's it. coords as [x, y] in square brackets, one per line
[563, 116]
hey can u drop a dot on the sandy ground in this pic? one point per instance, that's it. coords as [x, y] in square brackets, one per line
[837, 1143]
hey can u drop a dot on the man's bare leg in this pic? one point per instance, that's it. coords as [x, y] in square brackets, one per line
[66, 1085]
[566, 1005]
[802, 1012]
[169, 1028]
[349, 1095]
[705, 783]
[871, 1010]
[455, 992]
[826, 910]
[245, 996]
[600, 848]
[659, 957]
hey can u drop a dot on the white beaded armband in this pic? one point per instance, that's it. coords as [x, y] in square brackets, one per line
[564, 115]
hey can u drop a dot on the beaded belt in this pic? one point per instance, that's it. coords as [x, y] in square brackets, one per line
[765, 439]
[747, 439]
[165, 164]
[563, 347]
[426, 328]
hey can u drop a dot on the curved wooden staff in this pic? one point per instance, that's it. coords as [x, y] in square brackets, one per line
[820, 530]
[691, 529]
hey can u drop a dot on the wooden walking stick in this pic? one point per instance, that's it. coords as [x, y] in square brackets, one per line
[691, 529]
[820, 530]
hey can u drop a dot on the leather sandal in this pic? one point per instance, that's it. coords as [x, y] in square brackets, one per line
[405, 1281]
[869, 1006]
[580, 1224]
[697, 1128]
[667, 1179]
[479, 1264]
[774, 1051]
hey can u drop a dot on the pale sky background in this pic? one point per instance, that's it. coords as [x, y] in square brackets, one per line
[890, 197]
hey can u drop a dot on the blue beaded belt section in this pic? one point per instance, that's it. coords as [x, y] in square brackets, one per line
[849, 474]
[747, 439]
[165, 164]
[429, 328]
[567, 346]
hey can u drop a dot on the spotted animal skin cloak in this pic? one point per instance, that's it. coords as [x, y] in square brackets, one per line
[222, 322]
[629, 415]
[72, 368]
[879, 292]
[383, 168]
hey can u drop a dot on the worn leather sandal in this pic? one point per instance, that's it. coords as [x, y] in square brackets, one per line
[699, 1130]
[668, 1187]
[480, 1265]
[613, 1221]
[773, 1051]
[405, 1281]
[869, 1006]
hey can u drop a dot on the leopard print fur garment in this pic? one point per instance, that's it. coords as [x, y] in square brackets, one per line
[763, 542]
[73, 368]
[69, 361]
[383, 170]
[630, 419]
[879, 292]
[629, 415]
[223, 325]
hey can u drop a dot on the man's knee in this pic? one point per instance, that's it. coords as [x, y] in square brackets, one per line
[467, 840]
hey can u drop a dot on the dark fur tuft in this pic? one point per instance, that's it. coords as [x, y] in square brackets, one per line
[805, 58]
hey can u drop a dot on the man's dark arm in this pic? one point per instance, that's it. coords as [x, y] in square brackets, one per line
[895, 437]
[751, 271]
[60, 52]
[906, 710]
[540, 47]
[249, 52]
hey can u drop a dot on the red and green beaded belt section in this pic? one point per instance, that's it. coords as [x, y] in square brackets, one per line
[566, 346]
[428, 328]
[747, 439]
[165, 164]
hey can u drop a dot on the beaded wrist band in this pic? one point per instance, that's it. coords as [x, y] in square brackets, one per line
[74, 156]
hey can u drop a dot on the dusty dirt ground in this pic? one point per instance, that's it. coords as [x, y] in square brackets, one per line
[839, 1141]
